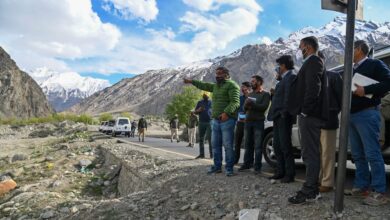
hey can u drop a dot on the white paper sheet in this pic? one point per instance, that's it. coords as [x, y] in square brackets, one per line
[362, 81]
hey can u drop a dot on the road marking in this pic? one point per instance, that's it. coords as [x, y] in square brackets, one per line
[209, 161]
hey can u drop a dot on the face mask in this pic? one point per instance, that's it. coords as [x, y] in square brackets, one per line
[220, 80]
[277, 69]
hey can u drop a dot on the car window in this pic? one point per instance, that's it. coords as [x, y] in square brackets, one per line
[123, 122]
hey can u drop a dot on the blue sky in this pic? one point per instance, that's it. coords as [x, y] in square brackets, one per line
[113, 39]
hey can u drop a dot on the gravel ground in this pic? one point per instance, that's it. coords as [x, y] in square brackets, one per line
[129, 181]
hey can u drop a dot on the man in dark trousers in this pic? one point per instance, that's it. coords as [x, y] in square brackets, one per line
[306, 101]
[255, 106]
[364, 127]
[226, 101]
[283, 121]
[203, 108]
[142, 127]
[239, 131]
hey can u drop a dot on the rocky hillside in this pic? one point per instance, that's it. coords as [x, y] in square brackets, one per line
[149, 93]
[63, 90]
[20, 95]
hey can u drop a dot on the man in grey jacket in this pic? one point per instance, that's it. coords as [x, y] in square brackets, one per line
[283, 120]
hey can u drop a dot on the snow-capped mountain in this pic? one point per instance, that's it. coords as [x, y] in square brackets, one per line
[150, 92]
[67, 88]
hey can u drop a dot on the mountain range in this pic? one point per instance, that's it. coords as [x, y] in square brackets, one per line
[149, 93]
[66, 89]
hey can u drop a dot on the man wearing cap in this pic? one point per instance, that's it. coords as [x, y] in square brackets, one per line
[174, 125]
[226, 101]
[203, 109]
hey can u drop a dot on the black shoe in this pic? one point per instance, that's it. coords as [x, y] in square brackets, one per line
[178, 141]
[301, 198]
[276, 177]
[199, 157]
[244, 168]
[211, 156]
[213, 170]
[171, 140]
[287, 179]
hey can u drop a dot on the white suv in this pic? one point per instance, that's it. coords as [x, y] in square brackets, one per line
[101, 127]
[122, 125]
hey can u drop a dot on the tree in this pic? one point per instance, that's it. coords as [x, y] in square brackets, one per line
[105, 117]
[183, 103]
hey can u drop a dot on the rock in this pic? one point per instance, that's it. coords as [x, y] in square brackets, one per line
[47, 214]
[56, 183]
[249, 214]
[273, 216]
[84, 206]
[183, 208]
[241, 204]
[219, 212]
[74, 209]
[6, 186]
[71, 155]
[64, 210]
[272, 181]
[49, 158]
[174, 191]
[15, 172]
[85, 163]
[229, 216]
[19, 157]
[107, 183]
[194, 206]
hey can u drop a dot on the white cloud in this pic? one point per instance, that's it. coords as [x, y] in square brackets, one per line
[266, 40]
[206, 5]
[129, 9]
[48, 30]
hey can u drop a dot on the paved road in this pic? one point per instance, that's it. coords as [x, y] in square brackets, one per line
[181, 149]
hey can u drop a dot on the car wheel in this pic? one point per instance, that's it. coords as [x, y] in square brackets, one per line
[114, 134]
[268, 149]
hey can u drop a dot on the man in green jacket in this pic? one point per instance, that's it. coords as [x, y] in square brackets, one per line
[226, 101]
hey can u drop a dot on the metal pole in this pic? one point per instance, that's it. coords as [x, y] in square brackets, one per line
[345, 111]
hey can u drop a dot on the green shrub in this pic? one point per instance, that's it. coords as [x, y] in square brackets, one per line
[127, 115]
[105, 117]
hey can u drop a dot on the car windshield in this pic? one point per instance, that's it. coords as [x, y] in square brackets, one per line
[123, 122]
[111, 123]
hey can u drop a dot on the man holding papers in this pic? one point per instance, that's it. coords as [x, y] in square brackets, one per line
[364, 126]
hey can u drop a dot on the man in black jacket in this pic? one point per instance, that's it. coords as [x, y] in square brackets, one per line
[283, 121]
[364, 127]
[306, 101]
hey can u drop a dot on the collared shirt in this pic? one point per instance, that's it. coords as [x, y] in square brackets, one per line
[285, 73]
[356, 65]
[304, 60]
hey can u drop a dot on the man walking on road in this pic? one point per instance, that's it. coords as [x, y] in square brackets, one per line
[226, 100]
[174, 125]
[203, 108]
[364, 127]
[306, 101]
[142, 127]
[283, 121]
[255, 106]
[192, 123]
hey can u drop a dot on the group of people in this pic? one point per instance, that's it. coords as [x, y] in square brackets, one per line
[310, 97]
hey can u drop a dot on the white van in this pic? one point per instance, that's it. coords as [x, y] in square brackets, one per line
[102, 124]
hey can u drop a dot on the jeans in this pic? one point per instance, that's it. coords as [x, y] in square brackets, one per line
[283, 147]
[223, 134]
[238, 136]
[205, 132]
[254, 132]
[364, 129]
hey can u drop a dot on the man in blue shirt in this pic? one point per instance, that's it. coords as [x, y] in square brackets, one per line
[203, 108]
